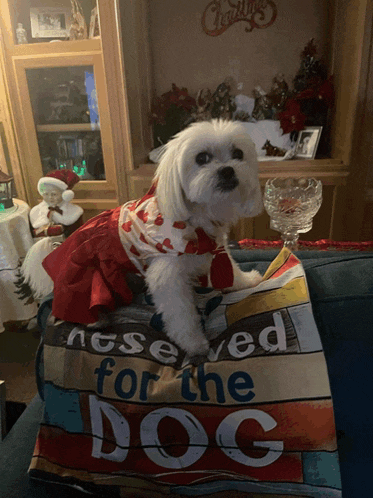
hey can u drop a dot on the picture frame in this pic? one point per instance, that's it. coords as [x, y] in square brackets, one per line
[50, 22]
[307, 143]
[94, 26]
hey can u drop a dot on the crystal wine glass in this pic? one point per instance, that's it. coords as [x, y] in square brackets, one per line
[291, 204]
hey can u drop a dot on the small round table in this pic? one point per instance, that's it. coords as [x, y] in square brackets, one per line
[15, 241]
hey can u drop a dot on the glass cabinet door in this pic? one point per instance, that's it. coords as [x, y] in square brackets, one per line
[66, 116]
[68, 97]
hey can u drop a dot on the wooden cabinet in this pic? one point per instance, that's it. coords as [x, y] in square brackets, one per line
[352, 134]
[9, 159]
[68, 99]
[344, 173]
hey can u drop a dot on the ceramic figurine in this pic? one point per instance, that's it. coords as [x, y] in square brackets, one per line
[272, 150]
[52, 220]
[263, 107]
[223, 104]
[279, 92]
[21, 34]
[55, 215]
[204, 102]
[78, 30]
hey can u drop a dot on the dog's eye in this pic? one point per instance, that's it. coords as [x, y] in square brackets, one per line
[237, 154]
[203, 158]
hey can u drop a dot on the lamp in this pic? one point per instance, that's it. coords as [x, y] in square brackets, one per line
[6, 191]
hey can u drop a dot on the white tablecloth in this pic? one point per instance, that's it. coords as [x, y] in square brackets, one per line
[15, 241]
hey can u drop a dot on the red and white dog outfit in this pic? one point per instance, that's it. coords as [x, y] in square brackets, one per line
[88, 269]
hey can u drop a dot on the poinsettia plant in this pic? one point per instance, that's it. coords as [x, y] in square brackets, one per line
[292, 118]
[312, 95]
[174, 110]
[169, 113]
[177, 101]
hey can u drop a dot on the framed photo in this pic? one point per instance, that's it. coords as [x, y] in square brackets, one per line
[308, 140]
[50, 22]
[94, 27]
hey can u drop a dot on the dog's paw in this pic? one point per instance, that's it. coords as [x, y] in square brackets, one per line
[254, 278]
[197, 348]
[194, 344]
[246, 280]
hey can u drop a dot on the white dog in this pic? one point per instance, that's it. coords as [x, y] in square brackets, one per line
[207, 176]
[175, 235]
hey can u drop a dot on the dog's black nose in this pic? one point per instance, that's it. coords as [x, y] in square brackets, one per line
[226, 173]
[227, 179]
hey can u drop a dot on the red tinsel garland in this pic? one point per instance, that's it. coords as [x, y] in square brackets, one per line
[322, 245]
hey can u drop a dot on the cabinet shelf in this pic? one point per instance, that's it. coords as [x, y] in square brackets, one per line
[67, 127]
[57, 48]
[330, 171]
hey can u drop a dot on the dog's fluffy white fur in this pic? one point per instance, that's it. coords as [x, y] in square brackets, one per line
[32, 270]
[208, 175]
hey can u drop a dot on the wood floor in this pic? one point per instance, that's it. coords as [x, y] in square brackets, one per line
[17, 362]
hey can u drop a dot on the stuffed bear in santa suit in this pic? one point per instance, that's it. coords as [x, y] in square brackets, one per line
[55, 215]
[52, 220]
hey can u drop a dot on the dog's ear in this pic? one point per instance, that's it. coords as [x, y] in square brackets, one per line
[170, 194]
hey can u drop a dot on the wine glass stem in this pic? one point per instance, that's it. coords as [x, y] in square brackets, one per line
[290, 240]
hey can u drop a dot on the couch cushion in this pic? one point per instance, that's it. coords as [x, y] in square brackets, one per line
[342, 299]
[341, 290]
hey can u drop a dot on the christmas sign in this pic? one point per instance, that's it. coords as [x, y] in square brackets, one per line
[219, 15]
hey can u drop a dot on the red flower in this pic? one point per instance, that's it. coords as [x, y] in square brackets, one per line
[309, 93]
[176, 97]
[326, 92]
[292, 118]
[322, 91]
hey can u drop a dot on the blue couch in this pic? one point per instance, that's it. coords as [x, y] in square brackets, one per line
[341, 290]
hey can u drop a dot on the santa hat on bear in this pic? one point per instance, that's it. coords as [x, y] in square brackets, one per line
[63, 179]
